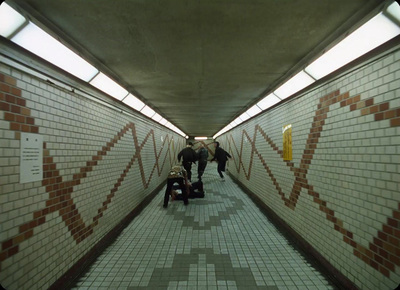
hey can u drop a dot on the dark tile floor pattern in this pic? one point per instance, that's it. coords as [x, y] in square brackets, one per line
[220, 242]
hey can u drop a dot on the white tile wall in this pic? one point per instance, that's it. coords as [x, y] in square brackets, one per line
[74, 129]
[355, 168]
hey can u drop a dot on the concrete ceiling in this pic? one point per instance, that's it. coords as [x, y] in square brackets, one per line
[198, 63]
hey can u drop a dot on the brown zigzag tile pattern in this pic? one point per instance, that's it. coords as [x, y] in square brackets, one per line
[207, 146]
[60, 192]
[383, 253]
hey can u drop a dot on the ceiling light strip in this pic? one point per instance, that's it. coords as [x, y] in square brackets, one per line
[29, 36]
[10, 20]
[372, 34]
[383, 27]
[32, 38]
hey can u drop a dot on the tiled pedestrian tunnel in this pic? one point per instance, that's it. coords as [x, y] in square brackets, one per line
[322, 165]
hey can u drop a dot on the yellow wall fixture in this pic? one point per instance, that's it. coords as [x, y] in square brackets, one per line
[287, 142]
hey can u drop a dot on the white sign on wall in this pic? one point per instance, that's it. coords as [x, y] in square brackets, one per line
[31, 160]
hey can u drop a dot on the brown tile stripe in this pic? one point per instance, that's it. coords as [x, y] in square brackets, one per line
[207, 146]
[383, 253]
[237, 161]
[248, 173]
[14, 107]
[60, 191]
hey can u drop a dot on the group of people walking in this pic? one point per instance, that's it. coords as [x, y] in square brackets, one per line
[189, 156]
[180, 176]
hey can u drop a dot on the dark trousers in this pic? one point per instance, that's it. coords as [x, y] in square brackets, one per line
[201, 166]
[221, 168]
[196, 186]
[170, 183]
[196, 191]
[188, 168]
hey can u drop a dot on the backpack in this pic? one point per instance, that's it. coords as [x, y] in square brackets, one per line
[176, 172]
[203, 154]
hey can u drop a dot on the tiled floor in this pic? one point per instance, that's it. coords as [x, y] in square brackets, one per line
[220, 242]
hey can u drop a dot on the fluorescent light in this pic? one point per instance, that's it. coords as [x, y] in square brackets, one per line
[175, 129]
[200, 138]
[268, 101]
[375, 32]
[293, 85]
[217, 135]
[394, 10]
[168, 124]
[225, 129]
[233, 123]
[133, 102]
[42, 44]
[163, 121]
[107, 85]
[238, 120]
[181, 133]
[10, 20]
[244, 116]
[149, 112]
[156, 117]
[253, 111]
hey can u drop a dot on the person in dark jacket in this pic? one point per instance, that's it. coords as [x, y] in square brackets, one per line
[221, 156]
[202, 156]
[188, 156]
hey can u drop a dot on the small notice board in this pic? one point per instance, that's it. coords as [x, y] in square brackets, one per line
[31, 159]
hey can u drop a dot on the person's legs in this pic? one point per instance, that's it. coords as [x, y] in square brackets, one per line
[220, 168]
[184, 193]
[170, 186]
[188, 168]
[170, 183]
[200, 169]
